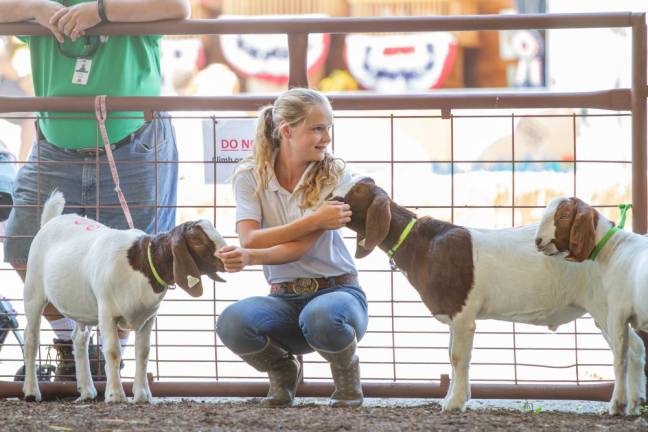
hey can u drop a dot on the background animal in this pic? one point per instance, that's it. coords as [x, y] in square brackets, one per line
[573, 226]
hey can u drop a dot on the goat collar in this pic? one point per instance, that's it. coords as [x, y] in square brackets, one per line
[156, 275]
[392, 251]
[608, 235]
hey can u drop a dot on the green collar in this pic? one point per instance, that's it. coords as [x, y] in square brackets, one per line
[608, 235]
[156, 275]
[391, 252]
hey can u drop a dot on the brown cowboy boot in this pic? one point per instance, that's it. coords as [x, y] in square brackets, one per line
[97, 362]
[284, 372]
[65, 369]
[345, 368]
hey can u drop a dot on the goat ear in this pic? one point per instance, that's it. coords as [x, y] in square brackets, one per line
[377, 224]
[185, 271]
[361, 252]
[582, 236]
[214, 276]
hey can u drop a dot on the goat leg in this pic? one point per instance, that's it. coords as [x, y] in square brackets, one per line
[81, 338]
[141, 390]
[110, 339]
[462, 334]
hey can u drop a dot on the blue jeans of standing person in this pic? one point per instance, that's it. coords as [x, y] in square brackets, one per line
[150, 189]
[7, 175]
[327, 320]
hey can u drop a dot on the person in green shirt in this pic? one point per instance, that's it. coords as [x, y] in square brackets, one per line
[68, 154]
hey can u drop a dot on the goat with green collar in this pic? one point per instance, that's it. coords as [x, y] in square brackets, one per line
[621, 259]
[465, 274]
[112, 278]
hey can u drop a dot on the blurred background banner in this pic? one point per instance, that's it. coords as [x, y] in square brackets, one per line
[418, 61]
[266, 56]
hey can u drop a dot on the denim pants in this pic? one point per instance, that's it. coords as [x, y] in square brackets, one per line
[89, 189]
[326, 320]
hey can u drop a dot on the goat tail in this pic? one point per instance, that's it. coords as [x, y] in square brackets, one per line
[53, 207]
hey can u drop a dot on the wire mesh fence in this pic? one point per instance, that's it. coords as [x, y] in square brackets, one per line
[474, 169]
[488, 171]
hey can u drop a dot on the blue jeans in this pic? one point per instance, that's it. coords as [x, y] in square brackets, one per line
[327, 320]
[88, 186]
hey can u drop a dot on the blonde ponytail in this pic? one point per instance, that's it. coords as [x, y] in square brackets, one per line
[293, 107]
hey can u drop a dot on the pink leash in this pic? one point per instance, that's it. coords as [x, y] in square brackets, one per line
[102, 113]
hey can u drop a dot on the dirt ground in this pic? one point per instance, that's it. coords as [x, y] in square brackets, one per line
[246, 415]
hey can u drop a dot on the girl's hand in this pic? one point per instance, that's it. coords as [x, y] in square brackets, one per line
[332, 215]
[234, 258]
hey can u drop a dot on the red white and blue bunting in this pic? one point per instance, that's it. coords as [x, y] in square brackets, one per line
[417, 61]
[265, 56]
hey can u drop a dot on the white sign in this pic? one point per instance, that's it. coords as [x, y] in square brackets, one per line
[226, 142]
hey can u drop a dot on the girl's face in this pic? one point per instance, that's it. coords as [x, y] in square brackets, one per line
[308, 140]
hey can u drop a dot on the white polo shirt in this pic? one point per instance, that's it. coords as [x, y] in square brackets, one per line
[275, 206]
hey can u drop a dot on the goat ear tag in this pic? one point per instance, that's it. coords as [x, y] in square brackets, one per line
[362, 242]
[192, 281]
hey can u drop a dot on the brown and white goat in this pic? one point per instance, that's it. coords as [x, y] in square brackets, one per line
[571, 225]
[464, 274]
[98, 275]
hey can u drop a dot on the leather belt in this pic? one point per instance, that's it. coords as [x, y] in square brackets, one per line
[93, 151]
[311, 285]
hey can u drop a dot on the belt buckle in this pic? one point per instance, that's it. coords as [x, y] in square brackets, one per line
[305, 286]
[90, 151]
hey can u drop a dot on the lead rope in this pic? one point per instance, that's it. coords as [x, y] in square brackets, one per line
[101, 114]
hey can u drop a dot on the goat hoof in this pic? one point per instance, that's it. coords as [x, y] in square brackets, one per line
[30, 398]
[142, 399]
[634, 408]
[86, 396]
[617, 408]
[115, 397]
[450, 406]
[142, 395]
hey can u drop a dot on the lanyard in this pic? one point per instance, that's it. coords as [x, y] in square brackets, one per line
[90, 46]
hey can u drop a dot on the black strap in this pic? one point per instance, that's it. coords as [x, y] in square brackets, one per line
[102, 11]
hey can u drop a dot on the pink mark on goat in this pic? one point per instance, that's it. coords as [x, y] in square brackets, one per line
[90, 225]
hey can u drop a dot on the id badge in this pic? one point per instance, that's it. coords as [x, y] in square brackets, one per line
[81, 71]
